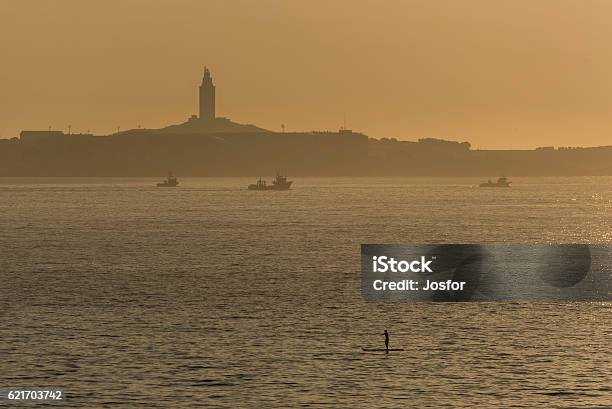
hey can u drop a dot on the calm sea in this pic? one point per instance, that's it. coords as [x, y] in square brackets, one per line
[208, 295]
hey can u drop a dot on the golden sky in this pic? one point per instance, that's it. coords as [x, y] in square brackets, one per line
[500, 74]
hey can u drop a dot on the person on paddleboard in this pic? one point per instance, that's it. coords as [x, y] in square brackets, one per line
[386, 341]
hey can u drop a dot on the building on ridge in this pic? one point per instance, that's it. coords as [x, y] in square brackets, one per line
[207, 97]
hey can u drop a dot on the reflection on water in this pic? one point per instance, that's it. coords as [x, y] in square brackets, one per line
[119, 292]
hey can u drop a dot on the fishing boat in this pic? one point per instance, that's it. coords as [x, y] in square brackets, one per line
[501, 182]
[280, 182]
[259, 185]
[171, 181]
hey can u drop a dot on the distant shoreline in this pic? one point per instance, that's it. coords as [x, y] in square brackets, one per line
[151, 153]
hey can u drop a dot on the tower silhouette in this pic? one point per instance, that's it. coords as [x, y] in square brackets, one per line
[207, 97]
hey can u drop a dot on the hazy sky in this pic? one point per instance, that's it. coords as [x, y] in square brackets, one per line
[500, 74]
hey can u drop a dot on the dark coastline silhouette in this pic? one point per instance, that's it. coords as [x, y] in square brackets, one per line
[207, 145]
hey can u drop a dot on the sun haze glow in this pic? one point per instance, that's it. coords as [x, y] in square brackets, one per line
[500, 74]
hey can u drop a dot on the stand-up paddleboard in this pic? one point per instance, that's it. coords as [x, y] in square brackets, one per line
[381, 349]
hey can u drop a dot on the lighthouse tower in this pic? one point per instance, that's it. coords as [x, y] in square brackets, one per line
[207, 97]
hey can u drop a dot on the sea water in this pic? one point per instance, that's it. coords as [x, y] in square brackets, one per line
[121, 293]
